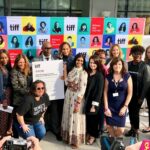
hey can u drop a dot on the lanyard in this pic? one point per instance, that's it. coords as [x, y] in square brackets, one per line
[116, 84]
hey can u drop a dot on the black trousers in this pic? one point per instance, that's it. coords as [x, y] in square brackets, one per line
[53, 116]
[148, 103]
[92, 125]
[134, 109]
[15, 132]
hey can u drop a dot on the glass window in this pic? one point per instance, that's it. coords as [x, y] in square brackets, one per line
[50, 8]
[1, 3]
[121, 5]
[134, 8]
[1, 11]
[55, 4]
[25, 4]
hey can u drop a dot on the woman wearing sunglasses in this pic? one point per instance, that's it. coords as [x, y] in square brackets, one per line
[30, 113]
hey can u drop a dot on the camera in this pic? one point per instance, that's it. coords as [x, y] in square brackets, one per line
[16, 144]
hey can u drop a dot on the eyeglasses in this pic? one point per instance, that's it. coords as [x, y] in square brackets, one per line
[47, 48]
[40, 88]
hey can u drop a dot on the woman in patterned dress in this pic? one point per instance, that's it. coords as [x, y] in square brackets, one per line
[5, 93]
[73, 120]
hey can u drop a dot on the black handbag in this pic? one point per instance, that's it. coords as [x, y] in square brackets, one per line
[117, 145]
[110, 143]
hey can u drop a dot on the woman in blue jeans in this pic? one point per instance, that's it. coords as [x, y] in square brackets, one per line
[29, 115]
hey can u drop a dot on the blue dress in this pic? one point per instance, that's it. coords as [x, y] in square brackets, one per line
[115, 103]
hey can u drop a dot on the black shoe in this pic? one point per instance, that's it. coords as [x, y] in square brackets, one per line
[130, 132]
[58, 137]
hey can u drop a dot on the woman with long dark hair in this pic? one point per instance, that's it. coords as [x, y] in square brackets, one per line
[5, 93]
[29, 42]
[93, 97]
[14, 42]
[73, 120]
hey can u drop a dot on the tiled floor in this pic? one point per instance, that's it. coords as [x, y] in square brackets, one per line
[50, 142]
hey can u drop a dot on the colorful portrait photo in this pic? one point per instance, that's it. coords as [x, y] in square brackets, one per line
[3, 25]
[83, 26]
[110, 26]
[83, 41]
[15, 42]
[122, 26]
[29, 25]
[108, 41]
[57, 25]
[43, 25]
[29, 42]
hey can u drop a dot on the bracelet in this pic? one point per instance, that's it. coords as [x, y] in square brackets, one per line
[21, 125]
[77, 102]
[106, 110]
[126, 106]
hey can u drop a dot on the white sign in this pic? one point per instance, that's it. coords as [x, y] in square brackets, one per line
[9, 109]
[50, 72]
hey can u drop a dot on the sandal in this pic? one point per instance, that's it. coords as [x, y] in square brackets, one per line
[91, 140]
[73, 146]
[9, 132]
[146, 130]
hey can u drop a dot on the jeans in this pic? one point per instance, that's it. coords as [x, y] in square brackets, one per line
[37, 130]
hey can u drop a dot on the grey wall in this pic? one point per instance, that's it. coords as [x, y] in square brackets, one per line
[98, 6]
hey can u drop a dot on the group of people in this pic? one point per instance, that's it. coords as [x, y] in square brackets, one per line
[95, 91]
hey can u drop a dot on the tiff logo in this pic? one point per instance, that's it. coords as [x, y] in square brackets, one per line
[37, 66]
[14, 27]
[41, 41]
[121, 41]
[70, 27]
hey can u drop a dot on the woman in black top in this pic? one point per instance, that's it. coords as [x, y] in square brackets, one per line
[138, 71]
[30, 113]
[93, 97]
[147, 60]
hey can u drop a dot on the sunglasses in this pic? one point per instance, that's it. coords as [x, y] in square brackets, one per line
[40, 88]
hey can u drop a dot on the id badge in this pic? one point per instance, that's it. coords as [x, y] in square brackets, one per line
[115, 94]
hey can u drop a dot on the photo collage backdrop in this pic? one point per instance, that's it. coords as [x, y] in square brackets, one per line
[84, 34]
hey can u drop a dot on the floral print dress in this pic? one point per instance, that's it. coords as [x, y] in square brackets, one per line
[73, 124]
